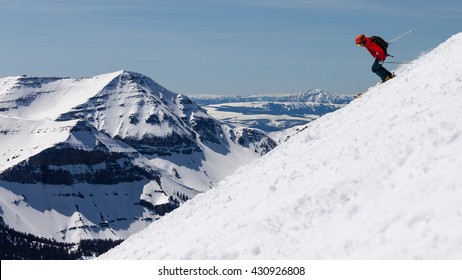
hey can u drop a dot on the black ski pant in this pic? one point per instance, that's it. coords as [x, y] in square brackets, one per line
[378, 69]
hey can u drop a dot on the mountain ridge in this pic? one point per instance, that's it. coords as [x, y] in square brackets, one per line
[309, 95]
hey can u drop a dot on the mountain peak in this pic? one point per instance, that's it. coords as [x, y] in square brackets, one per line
[315, 95]
[129, 74]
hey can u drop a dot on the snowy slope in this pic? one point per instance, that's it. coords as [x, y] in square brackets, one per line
[48, 97]
[23, 138]
[377, 179]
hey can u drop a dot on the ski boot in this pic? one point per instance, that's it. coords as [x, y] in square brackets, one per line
[388, 77]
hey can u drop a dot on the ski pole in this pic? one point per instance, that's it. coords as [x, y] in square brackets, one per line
[398, 62]
[402, 35]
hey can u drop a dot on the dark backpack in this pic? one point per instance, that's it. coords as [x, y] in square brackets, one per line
[381, 42]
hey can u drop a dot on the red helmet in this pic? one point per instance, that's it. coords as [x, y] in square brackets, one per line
[360, 39]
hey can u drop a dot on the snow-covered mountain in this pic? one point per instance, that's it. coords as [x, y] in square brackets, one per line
[377, 179]
[272, 113]
[103, 157]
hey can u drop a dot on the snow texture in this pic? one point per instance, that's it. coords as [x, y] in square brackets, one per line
[377, 179]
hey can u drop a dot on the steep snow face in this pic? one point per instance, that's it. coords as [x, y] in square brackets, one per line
[377, 179]
[21, 138]
[31, 97]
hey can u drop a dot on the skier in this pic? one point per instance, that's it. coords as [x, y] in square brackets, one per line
[378, 49]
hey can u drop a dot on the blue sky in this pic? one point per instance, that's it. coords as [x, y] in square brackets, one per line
[218, 46]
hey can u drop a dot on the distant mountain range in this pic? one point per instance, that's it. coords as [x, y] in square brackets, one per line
[272, 113]
[102, 157]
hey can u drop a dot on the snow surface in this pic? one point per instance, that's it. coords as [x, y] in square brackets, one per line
[377, 179]
[23, 138]
[55, 96]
